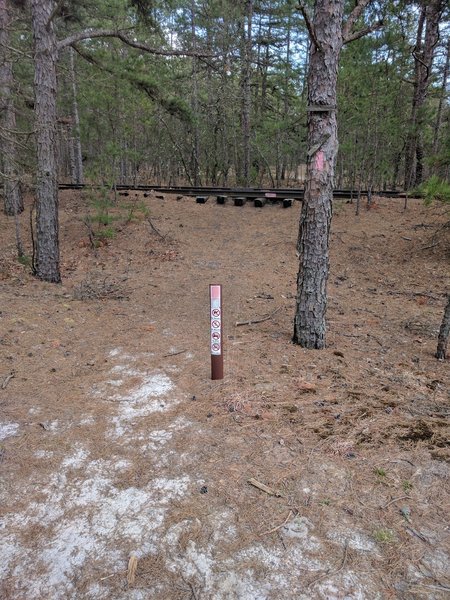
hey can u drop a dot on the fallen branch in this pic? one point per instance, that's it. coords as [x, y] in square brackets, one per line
[163, 237]
[260, 320]
[331, 573]
[7, 379]
[396, 499]
[264, 488]
[412, 531]
[430, 246]
[113, 575]
[191, 588]
[174, 353]
[440, 587]
[290, 513]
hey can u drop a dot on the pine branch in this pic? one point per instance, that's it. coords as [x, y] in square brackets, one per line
[141, 83]
[353, 17]
[309, 25]
[99, 33]
[362, 32]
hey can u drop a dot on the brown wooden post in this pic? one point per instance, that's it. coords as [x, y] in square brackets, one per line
[216, 337]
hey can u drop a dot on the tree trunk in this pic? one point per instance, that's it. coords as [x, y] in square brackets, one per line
[444, 331]
[195, 105]
[77, 169]
[46, 265]
[315, 220]
[12, 196]
[411, 142]
[423, 55]
[246, 91]
[442, 97]
[433, 16]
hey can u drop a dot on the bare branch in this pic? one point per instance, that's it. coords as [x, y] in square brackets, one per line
[353, 17]
[99, 33]
[17, 51]
[309, 25]
[362, 32]
[54, 12]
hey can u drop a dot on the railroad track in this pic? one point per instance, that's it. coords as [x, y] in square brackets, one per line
[239, 195]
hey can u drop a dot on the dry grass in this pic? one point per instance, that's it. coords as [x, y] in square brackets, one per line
[351, 436]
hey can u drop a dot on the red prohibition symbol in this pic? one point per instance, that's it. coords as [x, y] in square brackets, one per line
[215, 315]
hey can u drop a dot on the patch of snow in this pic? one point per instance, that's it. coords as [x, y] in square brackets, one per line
[354, 539]
[153, 386]
[122, 465]
[87, 421]
[51, 425]
[9, 550]
[300, 528]
[8, 430]
[180, 423]
[43, 454]
[124, 370]
[115, 352]
[141, 401]
[156, 439]
[437, 561]
[347, 580]
[108, 514]
[116, 382]
[76, 460]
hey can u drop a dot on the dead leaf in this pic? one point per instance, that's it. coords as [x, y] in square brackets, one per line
[306, 387]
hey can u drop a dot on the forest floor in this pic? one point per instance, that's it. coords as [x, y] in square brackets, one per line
[116, 445]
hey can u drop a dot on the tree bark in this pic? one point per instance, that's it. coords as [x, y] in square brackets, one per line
[327, 34]
[444, 331]
[195, 104]
[46, 265]
[12, 195]
[442, 97]
[423, 55]
[246, 91]
[77, 167]
[315, 220]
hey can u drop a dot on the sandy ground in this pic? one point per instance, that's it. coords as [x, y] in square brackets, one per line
[116, 445]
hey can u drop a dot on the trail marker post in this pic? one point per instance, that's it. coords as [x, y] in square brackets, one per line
[216, 344]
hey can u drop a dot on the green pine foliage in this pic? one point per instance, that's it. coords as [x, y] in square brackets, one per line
[435, 189]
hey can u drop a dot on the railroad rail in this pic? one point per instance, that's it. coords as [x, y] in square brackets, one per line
[270, 194]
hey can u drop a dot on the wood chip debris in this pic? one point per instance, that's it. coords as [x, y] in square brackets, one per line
[264, 488]
[132, 567]
[7, 379]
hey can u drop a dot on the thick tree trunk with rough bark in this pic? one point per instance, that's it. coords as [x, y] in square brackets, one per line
[12, 196]
[423, 55]
[45, 87]
[315, 221]
[246, 91]
[77, 164]
[444, 332]
[442, 97]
